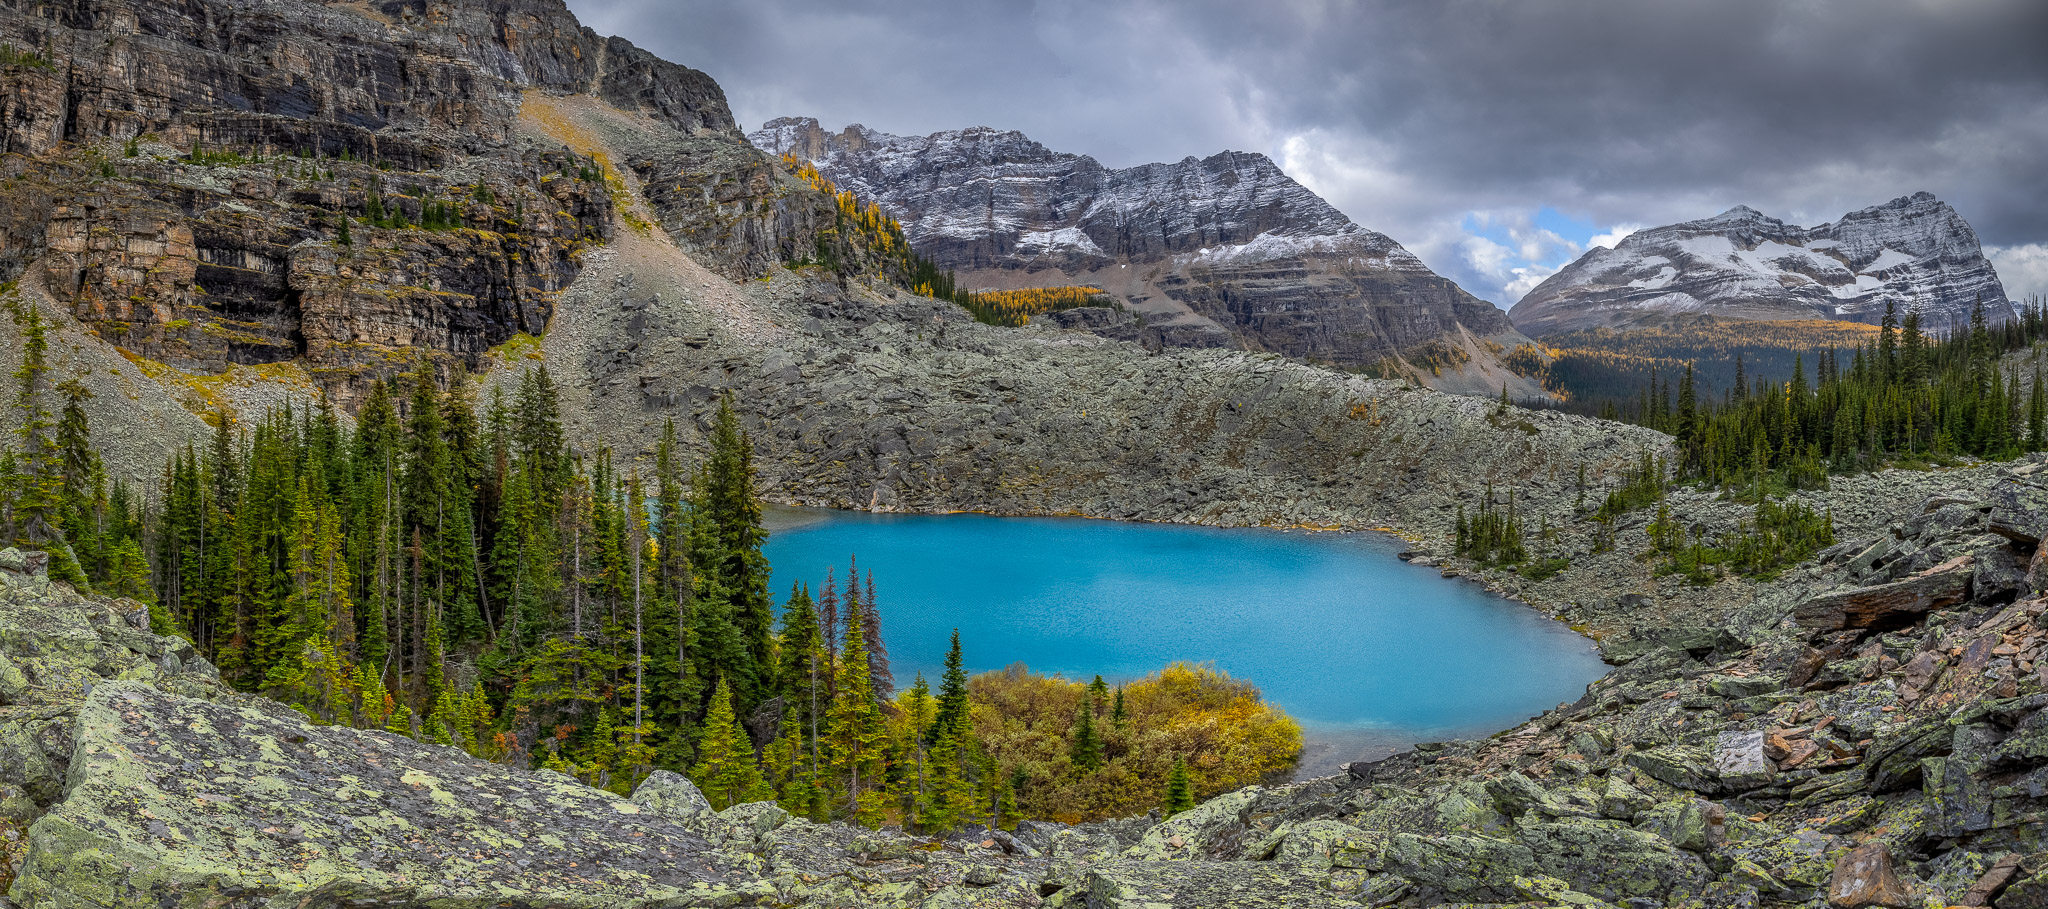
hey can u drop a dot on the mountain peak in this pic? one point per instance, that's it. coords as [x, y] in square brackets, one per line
[1914, 253]
[1164, 238]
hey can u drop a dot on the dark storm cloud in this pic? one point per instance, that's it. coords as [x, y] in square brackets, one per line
[1448, 125]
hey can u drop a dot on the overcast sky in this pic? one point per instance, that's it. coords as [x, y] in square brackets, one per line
[1497, 139]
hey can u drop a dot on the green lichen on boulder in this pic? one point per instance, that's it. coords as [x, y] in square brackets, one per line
[175, 801]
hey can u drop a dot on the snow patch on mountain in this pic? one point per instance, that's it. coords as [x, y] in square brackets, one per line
[1223, 250]
[1065, 238]
[1914, 254]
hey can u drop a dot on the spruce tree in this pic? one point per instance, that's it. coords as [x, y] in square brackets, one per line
[726, 770]
[2037, 414]
[949, 795]
[916, 708]
[1180, 794]
[828, 616]
[39, 477]
[878, 652]
[1085, 751]
[953, 707]
[856, 736]
[802, 664]
[726, 497]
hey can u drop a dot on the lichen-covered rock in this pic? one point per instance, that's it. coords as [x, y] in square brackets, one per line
[1797, 866]
[1456, 867]
[2028, 893]
[1198, 831]
[1621, 801]
[181, 802]
[669, 793]
[1609, 860]
[1321, 844]
[1678, 766]
[1739, 760]
[1889, 604]
[1141, 884]
[55, 644]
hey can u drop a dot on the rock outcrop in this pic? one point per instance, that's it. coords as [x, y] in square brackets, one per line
[213, 182]
[1914, 254]
[1219, 251]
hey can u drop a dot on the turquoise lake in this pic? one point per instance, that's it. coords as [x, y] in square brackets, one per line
[1370, 653]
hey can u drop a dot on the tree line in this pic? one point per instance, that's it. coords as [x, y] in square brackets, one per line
[1594, 368]
[1905, 396]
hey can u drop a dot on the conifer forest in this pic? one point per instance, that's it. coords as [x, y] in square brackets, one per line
[450, 568]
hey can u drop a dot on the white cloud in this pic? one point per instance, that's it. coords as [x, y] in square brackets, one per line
[1526, 278]
[1503, 274]
[1487, 257]
[2022, 269]
[1614, 236]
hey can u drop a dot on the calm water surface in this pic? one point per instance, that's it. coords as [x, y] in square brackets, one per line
[1368, 652]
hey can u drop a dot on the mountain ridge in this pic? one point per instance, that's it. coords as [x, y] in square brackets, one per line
[1913, 253]
[1223, 250]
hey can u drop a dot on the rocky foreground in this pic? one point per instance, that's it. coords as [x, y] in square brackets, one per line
[1868, 731]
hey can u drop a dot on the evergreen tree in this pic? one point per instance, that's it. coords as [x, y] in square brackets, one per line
[878, 653]
[802, 668]
[2037, 414]
[856, 736]
[726, 770]
[732, 557]
[1086, 749]
[828, 616]
[38, 482]
[949, 799]
[1180, 795]
[953, 710]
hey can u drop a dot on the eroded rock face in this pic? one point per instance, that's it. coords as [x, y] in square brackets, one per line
[410, 82]
[1224, 250]
[1913, 253]
[189, 165]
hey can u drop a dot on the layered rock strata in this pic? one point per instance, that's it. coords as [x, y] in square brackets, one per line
[209, 183]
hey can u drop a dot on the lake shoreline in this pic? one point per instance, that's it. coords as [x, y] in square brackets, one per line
[1348, 713]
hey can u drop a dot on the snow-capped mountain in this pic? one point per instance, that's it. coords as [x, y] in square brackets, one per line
[1913, 253]
[1219, 250]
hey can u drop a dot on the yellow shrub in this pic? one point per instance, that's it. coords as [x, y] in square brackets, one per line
[1222, 727]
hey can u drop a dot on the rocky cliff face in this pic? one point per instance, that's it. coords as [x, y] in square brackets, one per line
[183, 171]
[1225, 250]
[1913, 253]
